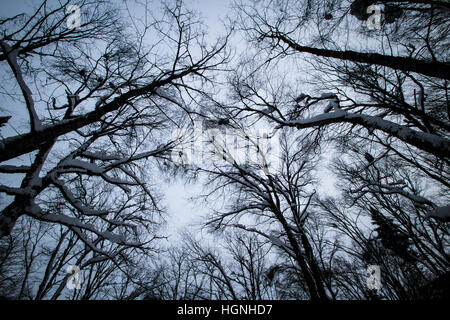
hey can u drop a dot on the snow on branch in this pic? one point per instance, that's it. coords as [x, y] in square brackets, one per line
[139, 156]
[11, 57]
[83, 165]
[138, 182]
[101, 156]
[387, 189]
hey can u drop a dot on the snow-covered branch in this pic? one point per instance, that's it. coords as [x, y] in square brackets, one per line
[12, 191]
[68, 195]
[440, 213]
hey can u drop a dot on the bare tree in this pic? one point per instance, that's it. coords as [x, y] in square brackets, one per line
[276, 199]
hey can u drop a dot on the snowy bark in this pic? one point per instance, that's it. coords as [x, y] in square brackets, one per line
[428, 68]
